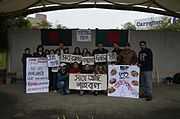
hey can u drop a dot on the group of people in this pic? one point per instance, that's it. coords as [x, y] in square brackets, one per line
[59, 80]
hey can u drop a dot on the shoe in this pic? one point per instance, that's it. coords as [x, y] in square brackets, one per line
[148, 98]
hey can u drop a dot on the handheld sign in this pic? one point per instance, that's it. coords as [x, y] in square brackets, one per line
[88, 81]
[112, 57]
[53, 60]
[37, 75]
[100, 58]
[88, 60]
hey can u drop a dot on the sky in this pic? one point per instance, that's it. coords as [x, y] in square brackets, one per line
[94, 18]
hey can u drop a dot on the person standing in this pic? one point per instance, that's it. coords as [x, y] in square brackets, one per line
[145, 60]
[26, 54]
[127, 56]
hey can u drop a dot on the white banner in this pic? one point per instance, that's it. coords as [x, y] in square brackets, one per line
[83, 35]
[88, 81]
[66, 58]
[112, 57]
[88, 60]
[37, 75]
[76, 58]
[53, 60]
[100, 58]
[123, 81]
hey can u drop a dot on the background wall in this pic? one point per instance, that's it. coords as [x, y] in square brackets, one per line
[165, 46]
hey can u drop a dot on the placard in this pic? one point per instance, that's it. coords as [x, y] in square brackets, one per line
[53, 60]
[66, 58]
[123, 81]
[88, 81]
[112, 57]
[76, 58]
[37, 75]
[88, 60]
[100, 58]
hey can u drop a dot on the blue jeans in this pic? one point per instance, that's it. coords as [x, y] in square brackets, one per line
[62, 83]
[146, 83]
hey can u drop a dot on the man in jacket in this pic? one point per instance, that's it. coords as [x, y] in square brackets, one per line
[145, 59]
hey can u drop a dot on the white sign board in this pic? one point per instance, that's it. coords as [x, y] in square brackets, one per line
[83, 35]
[66, 58]
[76, 58]
[112, 57]
[100, 58]
[123, 81]
[88, 81]
[88, 60]
[53, 60]
[37, 75]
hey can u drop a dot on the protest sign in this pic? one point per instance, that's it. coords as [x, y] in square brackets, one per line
[112, 57]
[76, 58]
[88, 81]
[53, 60]
[123, 81]
[100, 58]
[66, 58]
[83, 35]
[88, 60]
[37, 75]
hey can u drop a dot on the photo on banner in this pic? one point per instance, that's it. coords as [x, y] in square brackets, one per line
[37, 80]
[123, 81]
[88, 81]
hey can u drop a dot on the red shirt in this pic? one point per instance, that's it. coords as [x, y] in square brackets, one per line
[73, 70]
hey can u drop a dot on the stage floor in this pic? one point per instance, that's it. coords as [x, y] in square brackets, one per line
[15, 104]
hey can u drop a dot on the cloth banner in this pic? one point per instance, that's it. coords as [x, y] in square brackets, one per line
[88, 81]
[123, 81]
[100, 58]
[88, 60]
[112, 57]
[53, 60]
[37, 75]
[83, 35]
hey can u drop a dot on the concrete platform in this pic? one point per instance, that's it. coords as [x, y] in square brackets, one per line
[15, 104]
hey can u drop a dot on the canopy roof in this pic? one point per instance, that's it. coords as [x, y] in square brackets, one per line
[25, 7]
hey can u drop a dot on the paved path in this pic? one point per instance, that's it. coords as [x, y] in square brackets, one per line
[15, 104]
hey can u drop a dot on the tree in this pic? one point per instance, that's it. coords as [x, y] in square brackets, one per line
[44, 24]
[129, 26]
[167, 25]
[59, 26]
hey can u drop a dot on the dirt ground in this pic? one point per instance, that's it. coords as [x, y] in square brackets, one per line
[15, 104]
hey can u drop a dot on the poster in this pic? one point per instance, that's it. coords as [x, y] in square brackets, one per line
[76, 58]
[88, 60]
[112, 57]
[53, 60]
[88, 81]
[37, 75]
[100, 58]
[123, 81]
[83, 35]
[66, 58]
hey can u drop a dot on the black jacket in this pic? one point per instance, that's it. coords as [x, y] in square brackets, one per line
[145, 59]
